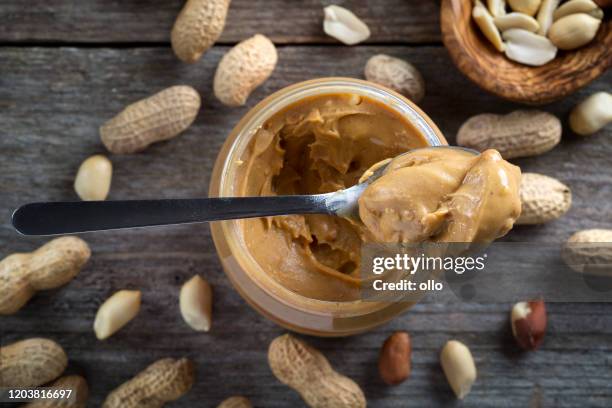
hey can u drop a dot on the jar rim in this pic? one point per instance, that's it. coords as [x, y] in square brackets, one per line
[238, 141]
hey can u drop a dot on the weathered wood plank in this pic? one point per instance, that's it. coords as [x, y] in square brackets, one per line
[53, 99]
[99, 21]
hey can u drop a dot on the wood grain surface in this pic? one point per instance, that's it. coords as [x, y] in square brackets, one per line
[52, 101]
[142, 21]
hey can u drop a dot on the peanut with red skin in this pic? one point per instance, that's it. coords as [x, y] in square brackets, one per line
[394, 362]
[529, 323]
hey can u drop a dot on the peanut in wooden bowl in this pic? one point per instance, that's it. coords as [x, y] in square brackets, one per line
[491, 70]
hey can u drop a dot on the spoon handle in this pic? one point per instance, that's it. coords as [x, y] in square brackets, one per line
[53, 218]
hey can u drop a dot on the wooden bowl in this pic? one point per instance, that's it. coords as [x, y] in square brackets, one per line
[492, 71]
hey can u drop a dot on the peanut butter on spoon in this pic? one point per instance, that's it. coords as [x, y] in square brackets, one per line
[442, 195]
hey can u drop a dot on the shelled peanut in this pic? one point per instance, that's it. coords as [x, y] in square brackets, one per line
[93, 180]
[165, 380]
[343, 25]
[592, 114]
[308, 372]
[534, 29]
[528, 321]
[459, 367]
[50, 266]
[117, 311]
[195, 301]
[394, 361]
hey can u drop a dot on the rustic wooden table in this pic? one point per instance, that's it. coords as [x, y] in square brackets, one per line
[68, 66]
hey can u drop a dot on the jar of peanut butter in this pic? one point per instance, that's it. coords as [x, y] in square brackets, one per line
[313, 137]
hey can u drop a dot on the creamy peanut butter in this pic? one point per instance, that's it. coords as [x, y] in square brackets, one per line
[326, 143]
[317, 145]
[442, 195]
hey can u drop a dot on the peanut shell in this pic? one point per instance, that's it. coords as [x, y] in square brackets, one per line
[159, 117]
[50, 266]
[78, 398]
[590, 252]
[518, 134]
[396, 74]
[308, 372]
[244, 68]
[543, 199]
[198, 27]
[517, 20]
[30, 363]
[163, 381]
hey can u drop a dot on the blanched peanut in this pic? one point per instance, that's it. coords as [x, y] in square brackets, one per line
[592, 114]
[196, 303]
[578, 6]
[573, 31]
[517, 20]
[458, 366]
[485, 22]
[545, 15]
[93, 180]
[497, 8]
[528, 7]
[528, 48]
[116, 312]
[344, 26]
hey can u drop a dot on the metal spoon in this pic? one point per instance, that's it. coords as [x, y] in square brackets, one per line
[54, 218]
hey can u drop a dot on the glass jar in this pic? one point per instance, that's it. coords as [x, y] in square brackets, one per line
[266, 295]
